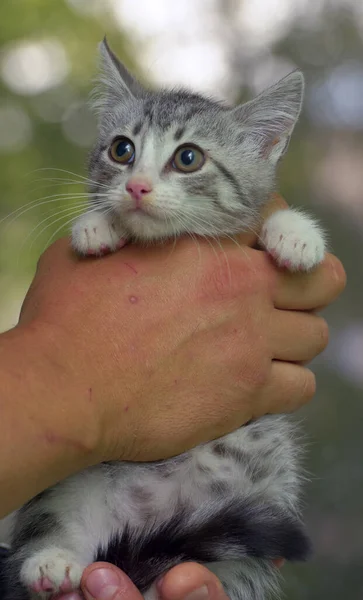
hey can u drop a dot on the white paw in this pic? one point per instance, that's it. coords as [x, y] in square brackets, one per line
[94, 234]
[294, 240]
[50, 571]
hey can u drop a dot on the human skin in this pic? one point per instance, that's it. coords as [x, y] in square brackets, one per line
[143, 354]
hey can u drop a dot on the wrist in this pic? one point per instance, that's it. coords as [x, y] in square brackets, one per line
[46, 417]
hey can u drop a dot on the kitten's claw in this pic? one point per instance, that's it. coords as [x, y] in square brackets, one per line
[93, 234]
[294, 240]
[51, 571]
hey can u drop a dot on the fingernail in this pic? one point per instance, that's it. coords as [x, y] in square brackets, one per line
[198, 594]
[102, 584]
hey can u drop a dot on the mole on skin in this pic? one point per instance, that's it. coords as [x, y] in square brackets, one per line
[133, 299]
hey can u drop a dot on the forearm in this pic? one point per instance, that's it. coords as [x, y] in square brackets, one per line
[46, 432]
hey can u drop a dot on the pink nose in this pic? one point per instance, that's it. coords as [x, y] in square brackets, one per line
[137, 188]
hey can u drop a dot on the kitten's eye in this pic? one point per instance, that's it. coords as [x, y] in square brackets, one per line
[188, 159]
[122, 151]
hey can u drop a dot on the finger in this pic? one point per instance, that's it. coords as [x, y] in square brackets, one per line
[191, 581]
[310, 291]
[57, 254]
[70, 596]
[102, 581]
[297, 336]
[289, 387]
[276, 203]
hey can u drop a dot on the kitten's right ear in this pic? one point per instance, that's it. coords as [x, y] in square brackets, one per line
[269, 119]
[114, 81]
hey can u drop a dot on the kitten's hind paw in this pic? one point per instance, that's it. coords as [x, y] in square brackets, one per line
[294, 240]
[93, 234]
[50, 571]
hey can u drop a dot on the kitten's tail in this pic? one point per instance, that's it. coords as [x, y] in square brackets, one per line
[246, 528]
[214, 533]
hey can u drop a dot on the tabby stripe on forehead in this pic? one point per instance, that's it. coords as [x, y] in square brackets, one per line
[137, 128]
[179, 133]
[231, 178]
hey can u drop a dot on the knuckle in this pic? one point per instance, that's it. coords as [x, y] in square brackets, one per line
[255, 374]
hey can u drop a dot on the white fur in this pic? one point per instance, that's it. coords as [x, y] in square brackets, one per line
[96, 231]
[241, 148]
[100, 501]
[294, 239]
[55, 564]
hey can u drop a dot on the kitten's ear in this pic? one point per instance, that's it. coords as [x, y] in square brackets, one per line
[114, 81]
[269, 119]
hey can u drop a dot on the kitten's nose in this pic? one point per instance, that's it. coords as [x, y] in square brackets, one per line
[137, 188]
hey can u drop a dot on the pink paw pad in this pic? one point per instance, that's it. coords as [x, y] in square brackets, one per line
[43, 585]
[105, 249]
[66, 585]
[121, 244]
[286, 264]
[91, 253]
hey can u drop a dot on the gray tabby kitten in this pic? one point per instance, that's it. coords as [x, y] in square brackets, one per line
[168, 163]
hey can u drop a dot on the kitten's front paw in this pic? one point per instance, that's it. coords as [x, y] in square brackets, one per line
[50, 571]
[95, 235]
[294, 240]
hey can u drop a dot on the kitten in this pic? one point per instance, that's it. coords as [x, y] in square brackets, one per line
[166, 164]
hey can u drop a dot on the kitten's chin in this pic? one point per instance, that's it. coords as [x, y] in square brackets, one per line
[146, 226]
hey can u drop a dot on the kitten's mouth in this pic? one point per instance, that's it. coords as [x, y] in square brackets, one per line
[142, 212]
[137, 209]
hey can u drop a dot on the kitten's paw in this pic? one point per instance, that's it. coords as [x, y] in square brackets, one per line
[294, 240]
[50, 571]
[95, 235]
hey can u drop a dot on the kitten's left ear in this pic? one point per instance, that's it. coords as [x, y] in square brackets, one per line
[268, 120]
[114, 81]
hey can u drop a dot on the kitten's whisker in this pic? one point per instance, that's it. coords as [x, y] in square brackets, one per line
[21, 210]
[192, 235]
[81, 177]
[226, 259]
[62, 180]
[230, 237]
[210, 238]
[174, 236]
[76, 212]
[96, 209]
[196, 241]
[68, 210]
[202, 222]
[40, 202]
[31, 203]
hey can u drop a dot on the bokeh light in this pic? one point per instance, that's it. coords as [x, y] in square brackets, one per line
[32, 67]
[230, 49]
[15, 127]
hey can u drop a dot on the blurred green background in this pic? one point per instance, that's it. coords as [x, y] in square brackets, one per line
[230, 49]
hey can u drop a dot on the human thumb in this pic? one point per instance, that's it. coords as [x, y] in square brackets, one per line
[102, 581]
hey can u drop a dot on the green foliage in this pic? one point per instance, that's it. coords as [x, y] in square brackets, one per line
[334, 420]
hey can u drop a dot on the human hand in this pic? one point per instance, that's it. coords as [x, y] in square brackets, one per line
[188, 581]
[162, 348]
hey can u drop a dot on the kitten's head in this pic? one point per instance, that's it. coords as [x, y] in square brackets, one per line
[171, 162]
